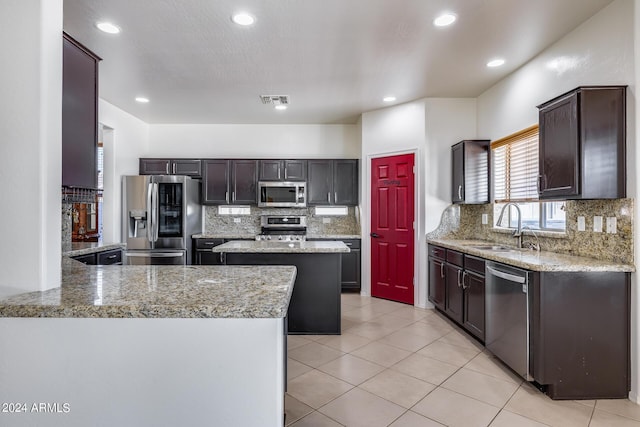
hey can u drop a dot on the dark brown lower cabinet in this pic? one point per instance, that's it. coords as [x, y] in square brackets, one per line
[110, 257]
[579, 334]
[202, 254]
[454, 299]
[473, 319]
[437, 282]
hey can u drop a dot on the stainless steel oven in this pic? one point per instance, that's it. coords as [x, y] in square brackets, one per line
[282, 194]
[507, 304]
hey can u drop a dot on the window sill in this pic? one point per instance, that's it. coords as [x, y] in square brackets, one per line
[539, 233]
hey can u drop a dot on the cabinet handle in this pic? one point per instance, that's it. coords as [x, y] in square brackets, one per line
[335, 197]
[208, 243]
[442, 270]
[226, 196]
[329, 197]
[167, 168]
[464, 275]
[174, 168]
[459, 284]
[460, 192]
[112, 256]
[233, 196]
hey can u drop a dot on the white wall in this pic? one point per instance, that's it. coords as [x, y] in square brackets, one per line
[126, 138]
[253, 141]
[427, 127]
[598, 52]
[30, 119]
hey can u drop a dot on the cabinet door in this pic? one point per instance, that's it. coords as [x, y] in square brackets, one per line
[270, 170]
[215, 182]
[474, 304]
[188, 167]
[208, 258]
[457, 173]
[345, 182]
[295, 170]
[79, 115]
[351, 269]
[559, 148]
[155, 166]
[244, 178]
[454, 295]
[437, 282]
[320, 183]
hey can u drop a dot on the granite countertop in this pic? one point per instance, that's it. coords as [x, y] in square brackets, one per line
[334, 236]
[282, 247]
[253, 236]
[160, 291]
[83, 248]
[532, 260]
[229, 236]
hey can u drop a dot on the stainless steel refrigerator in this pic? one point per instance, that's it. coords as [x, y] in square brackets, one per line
[159, 215]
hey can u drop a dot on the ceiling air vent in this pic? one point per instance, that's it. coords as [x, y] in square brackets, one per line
[275, 99]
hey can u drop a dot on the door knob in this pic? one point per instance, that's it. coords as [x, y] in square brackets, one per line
[375, 235]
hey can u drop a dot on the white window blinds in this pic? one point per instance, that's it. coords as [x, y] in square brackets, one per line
[515, 167]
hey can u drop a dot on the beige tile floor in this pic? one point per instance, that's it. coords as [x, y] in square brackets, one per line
[395, 365]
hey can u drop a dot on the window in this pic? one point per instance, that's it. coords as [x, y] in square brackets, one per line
[515, 179]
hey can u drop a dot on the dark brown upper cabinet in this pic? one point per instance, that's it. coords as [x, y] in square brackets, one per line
[229, 182]
[582, 144]
[332, 182]
[282, 170]
[79, 115]
[188, 167]
[470, 172]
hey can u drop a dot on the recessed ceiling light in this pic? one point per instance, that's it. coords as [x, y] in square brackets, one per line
[108, 27]
[389, 98]
[281, 107]
[142, 99]
[243, 19]
[495, 63]
[444, 20]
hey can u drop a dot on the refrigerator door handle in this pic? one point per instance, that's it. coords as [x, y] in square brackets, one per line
[156, 225]
[150, 212]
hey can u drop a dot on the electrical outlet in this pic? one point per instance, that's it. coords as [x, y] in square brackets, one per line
[581, 225]
[597, 224]
[612, 226]
[237, 220]
[326, 220]
[485, 219]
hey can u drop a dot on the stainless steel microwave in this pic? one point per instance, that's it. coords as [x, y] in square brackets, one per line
[282, 194]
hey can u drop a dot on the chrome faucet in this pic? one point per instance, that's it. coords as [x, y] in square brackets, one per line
[518, 232]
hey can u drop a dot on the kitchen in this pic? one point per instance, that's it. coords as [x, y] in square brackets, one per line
[428, 126]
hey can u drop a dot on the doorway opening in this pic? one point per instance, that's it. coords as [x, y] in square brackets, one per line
[393, 227]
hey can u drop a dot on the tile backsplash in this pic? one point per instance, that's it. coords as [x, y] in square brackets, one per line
[465, 222]
[250, 224]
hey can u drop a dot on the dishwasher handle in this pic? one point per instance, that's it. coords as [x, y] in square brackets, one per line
[507, 276]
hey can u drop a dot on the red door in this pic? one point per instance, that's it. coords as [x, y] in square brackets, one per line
[392, 234]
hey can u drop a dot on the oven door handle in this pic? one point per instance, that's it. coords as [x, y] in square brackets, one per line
[506, 276]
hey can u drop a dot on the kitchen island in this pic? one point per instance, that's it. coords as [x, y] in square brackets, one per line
[147, 346]
[315, 303]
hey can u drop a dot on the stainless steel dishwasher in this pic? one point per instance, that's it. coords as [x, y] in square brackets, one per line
[507, 307]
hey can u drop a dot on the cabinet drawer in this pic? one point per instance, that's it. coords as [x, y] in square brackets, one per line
[474, 264]
[437, 252]
[89, 259]
[455, 258]
[208, 243]
[352, 243]
[110, 257]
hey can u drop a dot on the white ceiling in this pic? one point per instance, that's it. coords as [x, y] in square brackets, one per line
[334, 58]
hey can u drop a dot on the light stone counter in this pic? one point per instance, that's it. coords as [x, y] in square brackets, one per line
[228, 236]
[334, 236]
[238, 246]
[160, 292]
[83, 248]
[532, 260]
